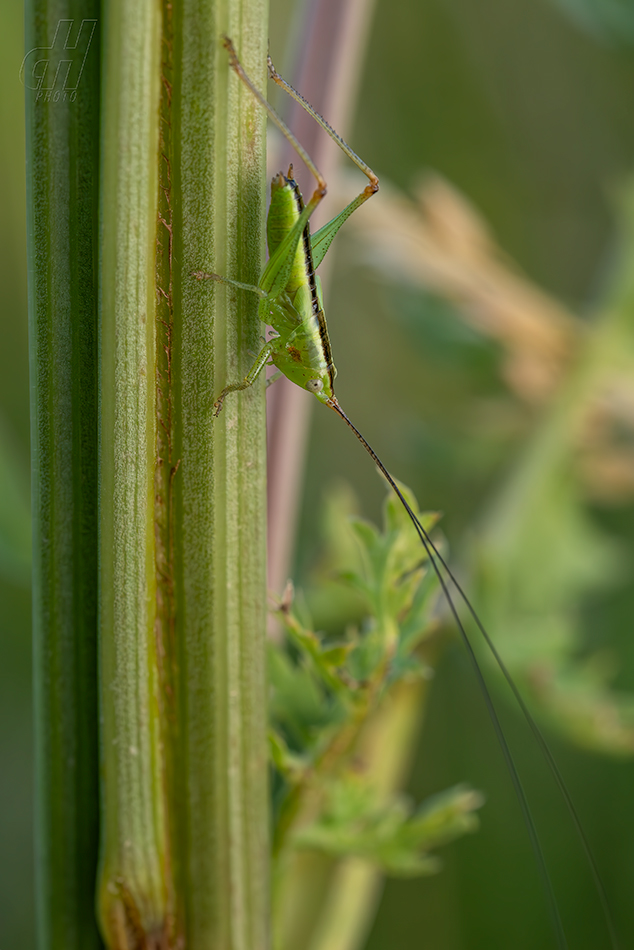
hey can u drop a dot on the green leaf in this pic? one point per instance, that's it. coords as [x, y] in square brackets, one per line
[367, 655]
[300, 709]
[355, 823]
[291, 766]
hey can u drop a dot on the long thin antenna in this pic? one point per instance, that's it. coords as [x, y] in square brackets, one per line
[433, 553]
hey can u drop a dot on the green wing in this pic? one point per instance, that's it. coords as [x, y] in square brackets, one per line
[277, 271]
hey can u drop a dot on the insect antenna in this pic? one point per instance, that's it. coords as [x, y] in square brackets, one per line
[437, 561]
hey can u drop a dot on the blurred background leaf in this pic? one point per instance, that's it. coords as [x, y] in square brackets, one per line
[15, 512]
[527, 120]
[16, 798]
[607, 19]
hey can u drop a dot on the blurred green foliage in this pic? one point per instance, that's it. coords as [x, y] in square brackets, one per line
[608, 19]
[393, 836]
[338, 745]
[530, 117]
[16, 799]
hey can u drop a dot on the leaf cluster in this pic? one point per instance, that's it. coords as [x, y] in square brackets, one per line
[328, 692]
[393, 835]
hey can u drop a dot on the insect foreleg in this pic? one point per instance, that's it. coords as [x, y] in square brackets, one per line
[260, 362]
[203, 275]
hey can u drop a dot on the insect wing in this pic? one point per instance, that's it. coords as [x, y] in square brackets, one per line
[277, 271]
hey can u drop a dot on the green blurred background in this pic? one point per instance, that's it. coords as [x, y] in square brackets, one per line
[16, 741]
[526, 107]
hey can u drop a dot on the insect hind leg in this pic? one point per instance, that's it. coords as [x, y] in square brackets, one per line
[373, 185]
[238, 68]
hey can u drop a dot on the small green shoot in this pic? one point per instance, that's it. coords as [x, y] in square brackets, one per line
[329, 691]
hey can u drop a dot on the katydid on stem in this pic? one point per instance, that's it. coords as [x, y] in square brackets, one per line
[290, 301]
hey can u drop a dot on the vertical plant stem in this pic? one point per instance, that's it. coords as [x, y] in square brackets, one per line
[219, 200]
[133, 889]
[183, 603]
[386, 750]
[327, 903]
[182, 596]
[62, 107]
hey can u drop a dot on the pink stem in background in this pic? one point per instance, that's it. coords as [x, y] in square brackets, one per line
[328, 73]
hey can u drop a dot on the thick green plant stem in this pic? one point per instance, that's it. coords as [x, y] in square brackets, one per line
[325, 903]
[133, 887]
[62, 109]
[183, 596]
[218, 202]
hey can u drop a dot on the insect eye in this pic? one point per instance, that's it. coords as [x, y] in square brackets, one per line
[314, 385]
